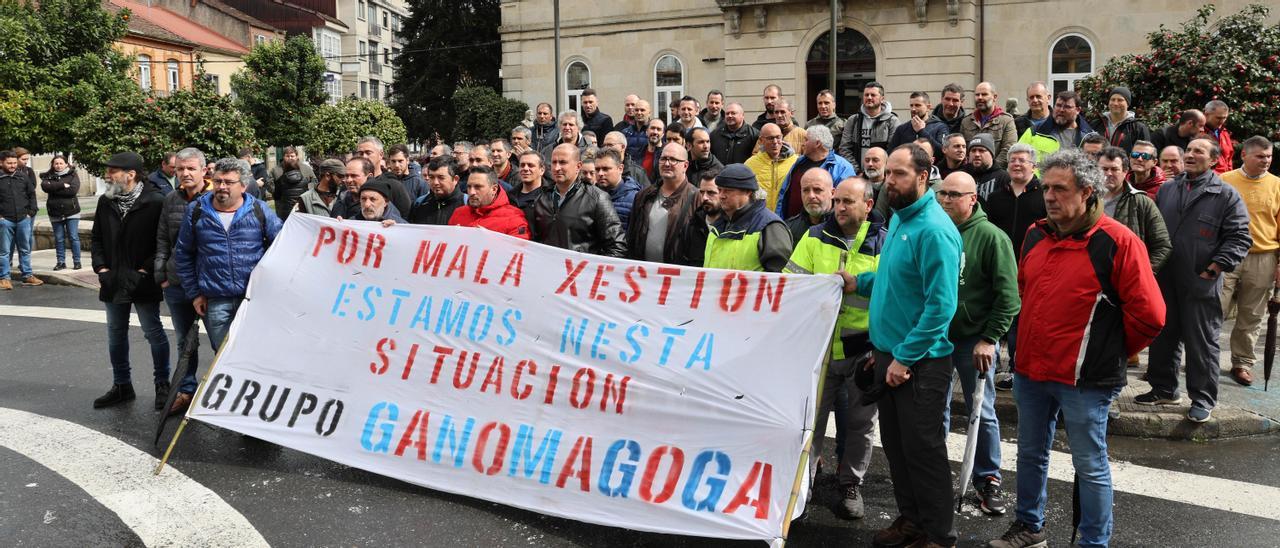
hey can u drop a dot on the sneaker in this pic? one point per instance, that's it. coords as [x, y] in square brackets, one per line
[901, 532]
[1155, 398]
[32, 281]
[6, 284]
[990, 500]
[1020, 536]
[852, 503]
[59, 266]
[1198, 414]
[162, 394]
[119, 393]
[1004, 382]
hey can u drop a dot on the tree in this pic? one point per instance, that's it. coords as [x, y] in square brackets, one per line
[151, 126]
[451, 44]
[482, 114]
[280, 87]
[336, 128]
[58, 63]
[1236, 60]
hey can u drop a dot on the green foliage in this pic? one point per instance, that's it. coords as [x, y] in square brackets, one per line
[152, 126]
[451, 44]
[1236, 60]
[335, 129]
[58, 64]
[279, 89]
[482, 114]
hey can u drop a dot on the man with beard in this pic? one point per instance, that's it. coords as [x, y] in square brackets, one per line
[375, 204]
[872, 127]
[769, 98]
[1065, 129]
[664, 228]
[981, 166]
[318, 199]
[700, 158]
[288, 181]
[734, 141]
[827, 116]
[618, 142]
[791, 134]
[488, 207]
[992, 120]
[648, 159]
[529, 180]
[951, 109]
[1171, 161]
[749, 236]
[592, 119]
[443, 196]
[223, 236]
[712, 115]
[574, 215]
[923, 124]
[913, 299]
[1144, 174]
[816, 189]
[398, 171]
[192, 185]
[709, 197]
[818, 155]
[18, 210]
[1190, 123]
[1037, 108]
[124, 245]
[622, 190]
[850, 240]
[545, 131]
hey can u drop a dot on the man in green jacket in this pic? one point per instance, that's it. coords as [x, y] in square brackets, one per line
[848, 240]
[1132, 207]
[988, 303]
[913, 298]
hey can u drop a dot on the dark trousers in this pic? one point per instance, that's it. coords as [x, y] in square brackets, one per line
[1193, 322]
[911, 429]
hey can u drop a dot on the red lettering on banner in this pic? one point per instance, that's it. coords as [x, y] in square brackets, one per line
[382, 355]
[618, 391]
[667, 273]
[408, 362]
[551, 385]
[417, 425]
[441, 352]
[479, 277]
[459, 263]
[763, 473]
[515, 268]
[325, 237]
[494, 376]
[428, 260]
[585, 399]
[766, 291]
[471, 371]
[499, 452]
[731, 279]
[697, 290]
[373, 249]
[523, 392]
[599, 282]
[580, 457]
[651, 470]
[571, 275]
[630, 276]
[347, 245]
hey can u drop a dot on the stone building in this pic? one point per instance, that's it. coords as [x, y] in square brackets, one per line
[663, 49]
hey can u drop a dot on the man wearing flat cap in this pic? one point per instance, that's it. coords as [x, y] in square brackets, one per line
[748, 235]
[319, 197]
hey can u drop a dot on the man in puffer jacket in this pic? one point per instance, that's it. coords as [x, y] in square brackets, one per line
[622, 189]
[488, 206]
[224, 235]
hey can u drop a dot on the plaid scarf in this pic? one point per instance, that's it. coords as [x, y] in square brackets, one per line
[124, 202]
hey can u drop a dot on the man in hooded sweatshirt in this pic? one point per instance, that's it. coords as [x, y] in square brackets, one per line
[872, 127]
[1120, 125]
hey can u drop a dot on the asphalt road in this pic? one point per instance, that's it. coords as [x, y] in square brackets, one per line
[55, 367]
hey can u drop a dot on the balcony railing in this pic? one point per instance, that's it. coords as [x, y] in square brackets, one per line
[375, 67]
[375, 29]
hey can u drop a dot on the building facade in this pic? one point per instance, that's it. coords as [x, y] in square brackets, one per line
[663, 49]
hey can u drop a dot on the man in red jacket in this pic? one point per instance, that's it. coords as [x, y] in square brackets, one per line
[488, 206]
[1089, 299]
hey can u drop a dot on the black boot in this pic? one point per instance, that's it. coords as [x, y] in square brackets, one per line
[162, 394]
[60, 266]
[119, 393]
[76, 266]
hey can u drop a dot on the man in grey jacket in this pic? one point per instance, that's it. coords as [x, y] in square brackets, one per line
[873, 127]
[1209, 226]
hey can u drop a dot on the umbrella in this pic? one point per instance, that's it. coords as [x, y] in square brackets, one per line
[971, 439]
[186, 361]
[1269, 347]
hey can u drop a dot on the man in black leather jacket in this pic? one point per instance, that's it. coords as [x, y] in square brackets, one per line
[574, 215]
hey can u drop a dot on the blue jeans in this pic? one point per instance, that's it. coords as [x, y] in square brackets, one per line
[15, 236]
[217, 318]
[67, 231]
[118, 340]
[1085, 410]
[986, 462]
[183, 316]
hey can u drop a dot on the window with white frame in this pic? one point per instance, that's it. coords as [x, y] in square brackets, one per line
[144, 72]
[360, 10]
[1070, 59]
[668, 85]
[333, 86]
[577, 77]
[172, 69]
[364, 49]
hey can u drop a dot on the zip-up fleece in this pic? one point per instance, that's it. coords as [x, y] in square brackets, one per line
[988, 281]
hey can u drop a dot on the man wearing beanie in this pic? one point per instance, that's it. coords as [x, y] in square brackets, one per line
[1120, 126]
[981, 159]
[375, 197]
[748, 236]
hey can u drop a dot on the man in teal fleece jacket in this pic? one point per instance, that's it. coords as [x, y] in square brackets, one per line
[913, 299]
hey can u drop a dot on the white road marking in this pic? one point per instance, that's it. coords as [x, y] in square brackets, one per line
[72, 314]
[166, 510]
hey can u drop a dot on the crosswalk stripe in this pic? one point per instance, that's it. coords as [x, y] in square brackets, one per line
[72, 314]
[166, 510]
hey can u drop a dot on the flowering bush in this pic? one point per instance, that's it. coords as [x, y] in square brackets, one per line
[335, 129]
[1236, 60]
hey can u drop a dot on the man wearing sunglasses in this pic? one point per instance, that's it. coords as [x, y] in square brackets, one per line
[1144, 174]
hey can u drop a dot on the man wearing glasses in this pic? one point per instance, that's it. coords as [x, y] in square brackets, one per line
[1065, 129]
[1144, 174]
[663, 226]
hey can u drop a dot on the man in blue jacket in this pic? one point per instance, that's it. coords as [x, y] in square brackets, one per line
[913, 299]
[223, 237]
[819, 152]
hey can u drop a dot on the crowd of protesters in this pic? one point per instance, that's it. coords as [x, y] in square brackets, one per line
[957, 232]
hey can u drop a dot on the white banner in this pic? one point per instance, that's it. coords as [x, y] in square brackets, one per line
[630, 394]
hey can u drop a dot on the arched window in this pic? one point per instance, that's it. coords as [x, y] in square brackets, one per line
[172, 69]
[668, 85]
[144, 72]
[577, 77]
[1070, 59]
